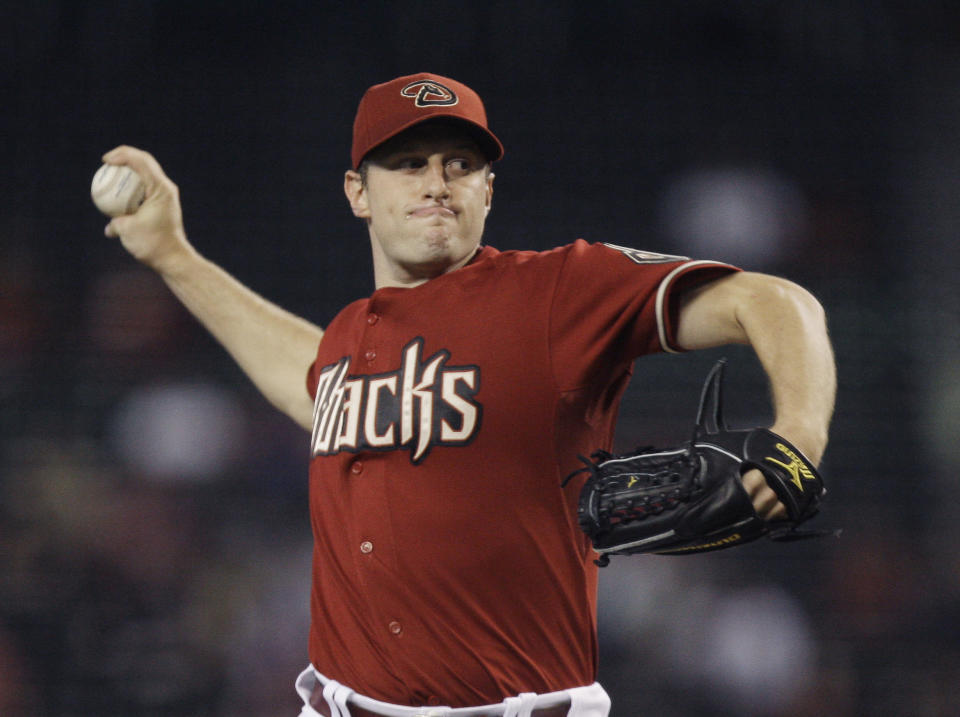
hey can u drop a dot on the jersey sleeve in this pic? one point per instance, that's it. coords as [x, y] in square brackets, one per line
[613, 304]
[313, 378]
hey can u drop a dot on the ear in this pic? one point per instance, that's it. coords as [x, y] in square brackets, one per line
[489, 200]
[356, 192]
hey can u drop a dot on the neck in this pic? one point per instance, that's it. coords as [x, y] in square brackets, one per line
[392, 274]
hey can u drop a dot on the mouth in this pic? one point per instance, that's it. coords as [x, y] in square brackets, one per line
[433, 210]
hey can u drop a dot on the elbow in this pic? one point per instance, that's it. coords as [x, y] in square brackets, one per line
[803, 303]
[775, 298]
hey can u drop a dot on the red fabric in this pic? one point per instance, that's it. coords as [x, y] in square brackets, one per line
[449, 567]
[391, 107]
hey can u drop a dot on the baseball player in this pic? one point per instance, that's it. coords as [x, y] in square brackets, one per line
[449, 576]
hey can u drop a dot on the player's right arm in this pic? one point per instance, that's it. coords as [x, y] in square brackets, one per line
[272, 346]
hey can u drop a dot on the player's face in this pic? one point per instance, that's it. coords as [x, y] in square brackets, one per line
[425, 199]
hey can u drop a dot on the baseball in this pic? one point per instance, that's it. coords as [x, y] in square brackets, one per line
[117, 190]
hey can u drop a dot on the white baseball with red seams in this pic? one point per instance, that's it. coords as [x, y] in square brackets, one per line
[117, 190]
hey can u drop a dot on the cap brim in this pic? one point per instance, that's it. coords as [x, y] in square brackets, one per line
[488, 142]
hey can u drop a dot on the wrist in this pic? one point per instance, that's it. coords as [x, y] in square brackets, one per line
[811, 440]
[177, 260]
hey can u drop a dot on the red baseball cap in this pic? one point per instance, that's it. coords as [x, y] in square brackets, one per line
[388, 109]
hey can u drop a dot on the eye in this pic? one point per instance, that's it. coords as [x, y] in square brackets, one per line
[409, 163]
[460, 166]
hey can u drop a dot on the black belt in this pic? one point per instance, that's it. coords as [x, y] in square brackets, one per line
[320, 705]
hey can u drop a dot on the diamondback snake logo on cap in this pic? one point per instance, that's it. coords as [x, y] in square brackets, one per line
[427, 93]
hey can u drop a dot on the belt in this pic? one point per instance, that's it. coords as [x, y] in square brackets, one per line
[320, 705]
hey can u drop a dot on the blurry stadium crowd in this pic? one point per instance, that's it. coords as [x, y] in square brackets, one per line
[156, 545]
[154, 537]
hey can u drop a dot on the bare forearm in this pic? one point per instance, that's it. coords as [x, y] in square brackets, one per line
[272, 346]
[787, 329]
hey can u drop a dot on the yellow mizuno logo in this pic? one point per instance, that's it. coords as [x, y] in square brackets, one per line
[734, 538]
[633, 480]
[796, 467]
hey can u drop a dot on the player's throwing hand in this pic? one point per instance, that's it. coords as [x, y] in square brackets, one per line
[154, 234]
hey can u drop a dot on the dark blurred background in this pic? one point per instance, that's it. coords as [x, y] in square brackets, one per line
[154, 541]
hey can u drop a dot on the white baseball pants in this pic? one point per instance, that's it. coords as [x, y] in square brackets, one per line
[590, 701]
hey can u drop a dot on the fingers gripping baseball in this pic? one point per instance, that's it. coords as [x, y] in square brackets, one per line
[154, 233]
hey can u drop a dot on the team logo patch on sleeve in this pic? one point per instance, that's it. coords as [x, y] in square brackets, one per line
[638, 256]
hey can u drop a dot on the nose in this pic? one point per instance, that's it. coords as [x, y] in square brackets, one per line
[435, 179]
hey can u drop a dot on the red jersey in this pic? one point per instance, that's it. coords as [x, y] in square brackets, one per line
[448, 565]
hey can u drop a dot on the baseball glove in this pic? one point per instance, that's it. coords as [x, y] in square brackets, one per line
[691, 499]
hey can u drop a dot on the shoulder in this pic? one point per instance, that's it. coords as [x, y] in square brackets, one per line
[346, 319]
[577, 251]
[599, 264]
[492, 264]
[618, 263]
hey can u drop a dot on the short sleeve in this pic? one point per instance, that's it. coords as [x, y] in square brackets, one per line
[313, 378]
[613, 304]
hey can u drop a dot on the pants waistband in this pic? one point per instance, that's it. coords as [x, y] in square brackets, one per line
[319, 703]
[329, 698]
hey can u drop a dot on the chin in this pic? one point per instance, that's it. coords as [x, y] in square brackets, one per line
[439, 258]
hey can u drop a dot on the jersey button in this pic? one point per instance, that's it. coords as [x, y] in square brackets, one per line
[370, 355]
[372, 319]
[366, 547]
[395, 627]
[356, 468]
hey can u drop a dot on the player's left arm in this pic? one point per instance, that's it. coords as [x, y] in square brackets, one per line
[787, 329]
